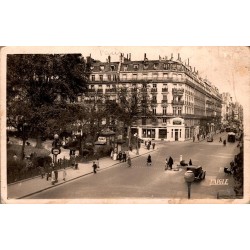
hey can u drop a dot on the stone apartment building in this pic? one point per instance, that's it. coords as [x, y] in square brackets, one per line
[184, 105]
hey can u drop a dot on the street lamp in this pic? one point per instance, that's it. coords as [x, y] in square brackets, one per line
[56, 148]
[189, 178]
[137, 148]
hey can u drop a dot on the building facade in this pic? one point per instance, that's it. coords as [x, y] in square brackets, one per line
[183, 104]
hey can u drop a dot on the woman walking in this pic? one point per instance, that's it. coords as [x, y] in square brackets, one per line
[149, 160]
[129, 161]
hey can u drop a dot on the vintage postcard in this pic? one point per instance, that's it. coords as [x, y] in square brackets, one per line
[125, 125]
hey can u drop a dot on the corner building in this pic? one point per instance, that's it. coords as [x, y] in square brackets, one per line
[184, 104]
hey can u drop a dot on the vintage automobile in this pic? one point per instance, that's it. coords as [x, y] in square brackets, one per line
[210, 138]
[199, 173]
[231, 137]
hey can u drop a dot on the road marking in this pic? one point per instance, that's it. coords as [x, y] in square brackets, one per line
[220, 156]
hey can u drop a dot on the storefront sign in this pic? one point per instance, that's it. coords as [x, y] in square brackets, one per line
[177, 122]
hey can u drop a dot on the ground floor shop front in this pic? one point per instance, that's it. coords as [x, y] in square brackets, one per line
[175, 130]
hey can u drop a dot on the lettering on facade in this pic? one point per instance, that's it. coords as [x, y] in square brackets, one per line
[177, 122]
[218, 182]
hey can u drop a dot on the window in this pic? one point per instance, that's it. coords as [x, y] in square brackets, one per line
[101, 77]
[136, 66]
[134, 76]
[114, 77]
[92, 86]
[112, 67]
[108, 86]
[93, 78]
[164, 110]
[175, 110]
[109, 77]
[154, 85]
[164, 120]
[165, 97]
[155, 75]
[101, 67]
[154, 111]
[155, 65]
[154, 98]
[179, 110]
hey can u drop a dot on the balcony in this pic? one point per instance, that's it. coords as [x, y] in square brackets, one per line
[154, 90]
[110, 90]
[164, 103]
[177, 91]
[153, 102]
[177, 102]
[164, 89]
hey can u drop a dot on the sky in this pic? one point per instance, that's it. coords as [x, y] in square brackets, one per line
[228, 68]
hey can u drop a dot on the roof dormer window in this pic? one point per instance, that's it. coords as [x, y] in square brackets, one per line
[112, 67]
[155, 65]
[101, 67]
[136, 66]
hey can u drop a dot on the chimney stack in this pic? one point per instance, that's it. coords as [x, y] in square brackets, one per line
[109, 59]
[129, 56]
[145, 56]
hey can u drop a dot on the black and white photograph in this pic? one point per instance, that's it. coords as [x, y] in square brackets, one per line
[134, 124]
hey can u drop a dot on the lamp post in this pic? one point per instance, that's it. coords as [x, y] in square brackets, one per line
[56, 148]
[137, 148]
[189, 178]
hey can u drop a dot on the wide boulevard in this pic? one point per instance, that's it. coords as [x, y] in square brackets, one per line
[142, 181]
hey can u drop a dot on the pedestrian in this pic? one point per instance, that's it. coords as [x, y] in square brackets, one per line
[53, 178]
[111, 154]
[115, 156]
[56, 175]
[149, 160]
[170, 162]
[193, 138]
[129, 161]
[166, 164]
[94, 166]
[220, 140]
[153, 145]
[42, 171]
[97, 163]
[120, 156]
[190, 162]
[15, 157]
[148, 146]
[124, 156]
[64, 174]
[48, 175]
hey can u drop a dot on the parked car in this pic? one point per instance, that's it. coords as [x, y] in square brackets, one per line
[199, 173]
[210, 138]
[231, 137]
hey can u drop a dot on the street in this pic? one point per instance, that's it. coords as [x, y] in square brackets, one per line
[142, 181]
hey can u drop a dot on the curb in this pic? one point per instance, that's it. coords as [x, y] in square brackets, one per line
[41, 190]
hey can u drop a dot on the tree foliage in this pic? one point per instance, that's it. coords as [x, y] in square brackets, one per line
[40, 88]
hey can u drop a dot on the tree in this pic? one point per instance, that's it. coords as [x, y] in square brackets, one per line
[131, 105]
[40, 88]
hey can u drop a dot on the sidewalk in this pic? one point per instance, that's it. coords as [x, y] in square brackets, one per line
[37, 184]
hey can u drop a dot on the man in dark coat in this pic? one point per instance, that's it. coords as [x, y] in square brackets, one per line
[94, 166]
[170, 162]
[149, 160]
